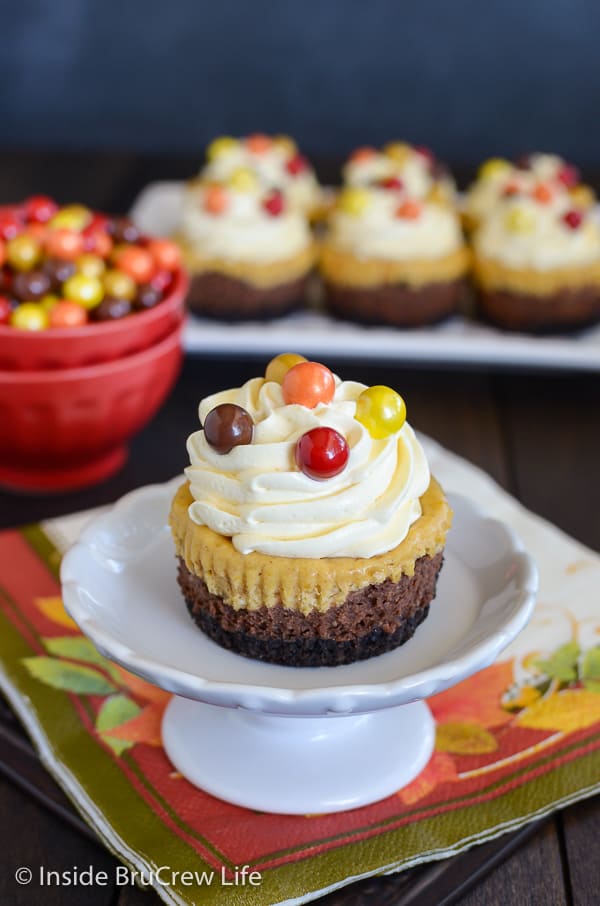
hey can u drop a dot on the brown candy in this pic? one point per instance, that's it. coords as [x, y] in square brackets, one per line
[228, 426]
[147, 296]
[28, 286]
[58, 271]
[122, 229]
[111, 308]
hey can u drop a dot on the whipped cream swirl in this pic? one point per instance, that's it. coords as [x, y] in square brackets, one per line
[256, 494]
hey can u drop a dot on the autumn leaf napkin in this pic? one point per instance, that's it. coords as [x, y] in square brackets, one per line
[513, 743]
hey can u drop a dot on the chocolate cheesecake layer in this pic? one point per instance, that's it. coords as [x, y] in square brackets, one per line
[564, 310]
[216, 295]
[396, 303]
[372, 620]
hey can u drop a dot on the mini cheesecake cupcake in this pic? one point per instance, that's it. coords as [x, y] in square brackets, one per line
[392, 259]
[537, 264]
[309, 531]
[412, 168]
[275, 160]
[248, 252]
[498, 178]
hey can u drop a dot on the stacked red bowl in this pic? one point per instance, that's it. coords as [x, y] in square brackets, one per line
[71, 397]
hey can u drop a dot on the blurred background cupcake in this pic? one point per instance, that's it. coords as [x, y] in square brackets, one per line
[413, 168]
[537, 262]
[391, 258]
[249, 251]
[275, 160]
[498, 178]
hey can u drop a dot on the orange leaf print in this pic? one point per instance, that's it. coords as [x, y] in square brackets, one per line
[144, 727]
[464, 739]
[53, 609]
[143, 689]
[567, 711]
[477, 699]
[439, 769]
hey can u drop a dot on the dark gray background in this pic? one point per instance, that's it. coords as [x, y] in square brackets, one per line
[469, 78]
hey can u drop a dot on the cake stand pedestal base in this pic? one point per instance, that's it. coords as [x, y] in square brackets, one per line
[297, 765]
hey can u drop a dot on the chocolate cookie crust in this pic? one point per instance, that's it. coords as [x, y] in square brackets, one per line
[398, 304]
[216, 295]
[372, 620]
[566, 309]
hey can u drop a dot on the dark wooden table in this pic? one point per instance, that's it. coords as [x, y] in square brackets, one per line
[537, 434]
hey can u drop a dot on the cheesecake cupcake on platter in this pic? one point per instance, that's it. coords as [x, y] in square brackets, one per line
[248, 251]
[391, 258]
[275, 160]
[413, 168]
[498, 178]
[309, 531]
[537, 263]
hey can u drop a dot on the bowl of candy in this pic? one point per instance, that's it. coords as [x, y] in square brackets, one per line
[78, 287]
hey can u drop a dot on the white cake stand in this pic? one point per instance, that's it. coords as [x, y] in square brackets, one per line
[285, 739]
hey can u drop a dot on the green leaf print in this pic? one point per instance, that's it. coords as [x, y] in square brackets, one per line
[590, 669]
[562, 665]
[78, 648]
[71, 677]
[116, 710]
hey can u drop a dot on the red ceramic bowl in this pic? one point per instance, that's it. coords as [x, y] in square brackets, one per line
[74, 347]
[69, 428]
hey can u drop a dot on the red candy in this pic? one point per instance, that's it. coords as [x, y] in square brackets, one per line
[5, 309]
[573, 219]
[67, 314]
[426, 153]
[568, 175]
[10, 225]
[166, 254]
[321, 453]
[2, 253]
[296, 165]
[274, 204]
[40, 208]
[136, 262]
[392, 182]
[308, 384]
[162, 280]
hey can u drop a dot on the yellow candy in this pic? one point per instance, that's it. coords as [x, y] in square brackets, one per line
[48, 302]
[495, 166]
[85, 291]
[353, 200]
[90, 265]
[23, 252]
[381, 410]
[29, 316]
[72, 217]
[397, 151]
[118, 283]
[285, 144]
[243, 180]
[583, 196]
[281, 364]
[519, 220]
[221, 146]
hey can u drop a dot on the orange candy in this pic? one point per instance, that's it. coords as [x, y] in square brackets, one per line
[543, 193]
[258, 143]
[361, 154]
[99, 243]
[409, 210]
[64, 244]
[165, 253]
[215, 200]
[136, 262]
[67, 314]
[308, 384]
[2, 253]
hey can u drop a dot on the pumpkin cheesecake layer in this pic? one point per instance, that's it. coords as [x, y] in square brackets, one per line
[345, 269]
[256, 581]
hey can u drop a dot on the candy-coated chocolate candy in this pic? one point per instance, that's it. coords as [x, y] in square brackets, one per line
[281, 364]
[5, 310]
[543, 193]
[493, 168]
[285, 144]
[215, 199]
[11, 224]
[67, 314]
[111, 309]
[2, 252]
[29, 286]
[519, 220]
[90, 265]
[147, 296]
[258, 143]
[122, 229]
[568, 175]
[162, 281]
[308, 384]
[510, 189]
[40, 208]
[221, 146]
[425, 152]
[137, 262]
[49, 301]
[243, 180]
[119, 284]
[85, 291]
[321, 453]
[524, 161]
[58, 270]
[98, 242]
[573, 219]
[296, 165]
[381, 410]
[359, 155]
[166, 254]
[71, 217]
[397, 151]
[274, 203]
[39, 231]
[410, 209]
[23, 252]
[6, 279]
[583, 196]
[354, 200]
[228, 426]
[392, 182]
[66, 244]
[29, 316]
